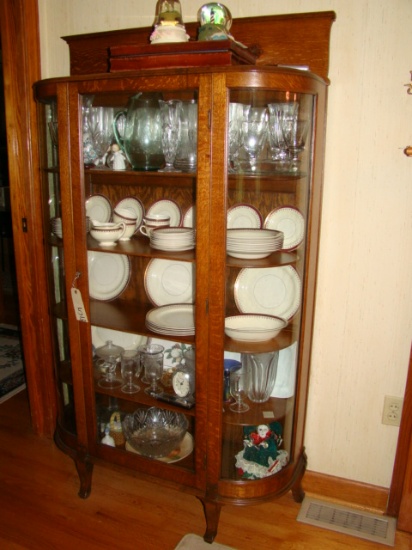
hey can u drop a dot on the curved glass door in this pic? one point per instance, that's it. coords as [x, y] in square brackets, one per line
[52, 212]
[269, 171]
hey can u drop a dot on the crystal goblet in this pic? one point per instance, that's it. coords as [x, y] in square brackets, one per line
[130, 368]
[254, 129]
[170, 113]
[152, 363]
[238, 390]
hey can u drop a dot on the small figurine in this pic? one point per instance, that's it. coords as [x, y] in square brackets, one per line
[261, 456]
[116, 159]
[108, 439]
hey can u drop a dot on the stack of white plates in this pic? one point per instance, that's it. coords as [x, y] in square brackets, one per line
[173, 238]
[253, 244]
[174, 320]
[56, 227]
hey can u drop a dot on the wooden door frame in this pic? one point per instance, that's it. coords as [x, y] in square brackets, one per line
[19, 31]
[400, 495]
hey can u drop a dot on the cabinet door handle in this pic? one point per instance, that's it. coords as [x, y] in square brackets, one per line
[408, 151]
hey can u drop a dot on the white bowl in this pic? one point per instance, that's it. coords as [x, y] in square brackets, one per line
[253, 328]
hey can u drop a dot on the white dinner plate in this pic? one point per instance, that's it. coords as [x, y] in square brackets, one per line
[291, 222]
[167, 208]
[134, 206]
[98, 207]
[108, 274]
[269, 290]
[169, 282]
[125, 340]
[243, 216]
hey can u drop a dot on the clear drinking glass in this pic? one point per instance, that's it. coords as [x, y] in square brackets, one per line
[130, 361]
[238, 389]
[279, 116]
[262, 370]
[236, 111]
[186, 156]
[171, 113]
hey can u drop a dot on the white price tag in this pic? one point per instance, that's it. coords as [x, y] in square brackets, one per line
[78, 305]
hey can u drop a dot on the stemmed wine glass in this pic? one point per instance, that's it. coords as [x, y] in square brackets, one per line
[254, 128]
[238, 390]
[101, 126]
[171, 113]
[295, 132]
[130, 368]
[152, 362]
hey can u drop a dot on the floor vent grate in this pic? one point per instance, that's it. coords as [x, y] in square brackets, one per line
[349, 521]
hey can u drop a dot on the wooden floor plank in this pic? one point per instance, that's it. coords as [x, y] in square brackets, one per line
[40, 509]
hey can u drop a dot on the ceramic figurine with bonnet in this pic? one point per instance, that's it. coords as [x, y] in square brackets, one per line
[168, 25]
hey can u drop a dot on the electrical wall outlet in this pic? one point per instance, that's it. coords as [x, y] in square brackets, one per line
[392, 410]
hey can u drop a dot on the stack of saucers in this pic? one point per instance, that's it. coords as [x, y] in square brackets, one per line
[56, 227]
[173, 238]
[253, 244]
[173, 319]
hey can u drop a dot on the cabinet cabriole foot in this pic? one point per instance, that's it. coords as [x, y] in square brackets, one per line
[66, 442]
[297, 490]
[84, 469]
[212, 515]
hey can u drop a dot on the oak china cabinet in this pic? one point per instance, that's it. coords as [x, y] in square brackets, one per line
[178, 296]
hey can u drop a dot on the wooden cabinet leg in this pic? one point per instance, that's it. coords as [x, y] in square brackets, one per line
[85, 470]
[212, 515]
[297, 490]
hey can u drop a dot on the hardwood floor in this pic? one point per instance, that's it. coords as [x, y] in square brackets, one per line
[40, 509]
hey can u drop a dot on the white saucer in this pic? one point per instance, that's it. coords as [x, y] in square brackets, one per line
[189, 219]
[168, 208]
[243, 216]
[108, 274]
[98, 207]
[291, 222]
[134, 206]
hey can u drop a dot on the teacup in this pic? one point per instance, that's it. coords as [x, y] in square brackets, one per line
[120, 215]
[153, 222]
[107, 234]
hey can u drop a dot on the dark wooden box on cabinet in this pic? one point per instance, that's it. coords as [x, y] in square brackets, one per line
[187, 54]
